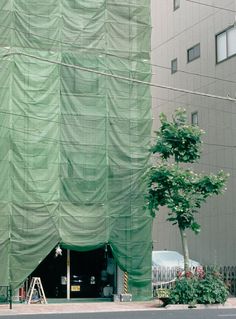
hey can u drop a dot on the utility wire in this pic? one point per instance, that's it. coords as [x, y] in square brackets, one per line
[186, 105]
[50, 140]
[181, 32]
[186, 29]
[211, 6]
[114, 121]
[220, 145]
[193, 73]
[179, 99]
[39, 139]
[116, 56]
[119, 77]
[45, 118]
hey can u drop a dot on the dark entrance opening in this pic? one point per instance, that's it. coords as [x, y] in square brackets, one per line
[92, 274]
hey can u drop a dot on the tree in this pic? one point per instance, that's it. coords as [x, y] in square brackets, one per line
[172, 184]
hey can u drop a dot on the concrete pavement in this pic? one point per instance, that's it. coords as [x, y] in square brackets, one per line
[81, 307]
[91, 307]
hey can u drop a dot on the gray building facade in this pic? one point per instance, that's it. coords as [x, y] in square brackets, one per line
[194, 48]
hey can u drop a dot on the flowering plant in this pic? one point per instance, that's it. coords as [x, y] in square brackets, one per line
[198, 286]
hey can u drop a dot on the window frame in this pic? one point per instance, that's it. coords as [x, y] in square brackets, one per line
[197, 57]
[227, 45]
[176, 5]
[173, 71]
[195, 113]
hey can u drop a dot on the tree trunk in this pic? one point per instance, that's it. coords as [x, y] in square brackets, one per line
[185, 249]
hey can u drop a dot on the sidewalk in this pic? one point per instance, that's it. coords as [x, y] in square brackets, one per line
[90, 307]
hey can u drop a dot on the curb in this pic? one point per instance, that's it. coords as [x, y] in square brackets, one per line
[200, 306]
[40, 309]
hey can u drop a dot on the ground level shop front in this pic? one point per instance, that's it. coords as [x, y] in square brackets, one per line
[73, 274]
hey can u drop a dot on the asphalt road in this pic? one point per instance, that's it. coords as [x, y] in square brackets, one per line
[165, 314]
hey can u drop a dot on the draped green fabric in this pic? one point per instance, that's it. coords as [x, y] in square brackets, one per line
[74, 144]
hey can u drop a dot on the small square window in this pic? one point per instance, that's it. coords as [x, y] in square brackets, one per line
[193, 53]
[174, 66]
[176, 4]
[194, 118]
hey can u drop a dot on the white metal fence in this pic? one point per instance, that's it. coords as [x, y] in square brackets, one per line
[164, 277]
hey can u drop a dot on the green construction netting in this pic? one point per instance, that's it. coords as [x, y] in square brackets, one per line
[74, 144]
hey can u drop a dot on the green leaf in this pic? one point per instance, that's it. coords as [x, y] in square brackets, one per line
[175, 186]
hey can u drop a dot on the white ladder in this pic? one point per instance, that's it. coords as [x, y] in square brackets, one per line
[36, 286]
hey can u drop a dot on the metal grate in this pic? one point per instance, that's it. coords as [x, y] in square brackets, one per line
[6, 295]
[228, 274]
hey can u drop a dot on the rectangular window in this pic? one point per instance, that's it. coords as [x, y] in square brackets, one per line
[194, 118]
[231, 37]
[225, 44]
[174, 66]
[193, 53]
[221, 47]
[176, 4]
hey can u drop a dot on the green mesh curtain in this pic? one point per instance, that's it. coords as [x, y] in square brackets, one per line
[74, 144]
